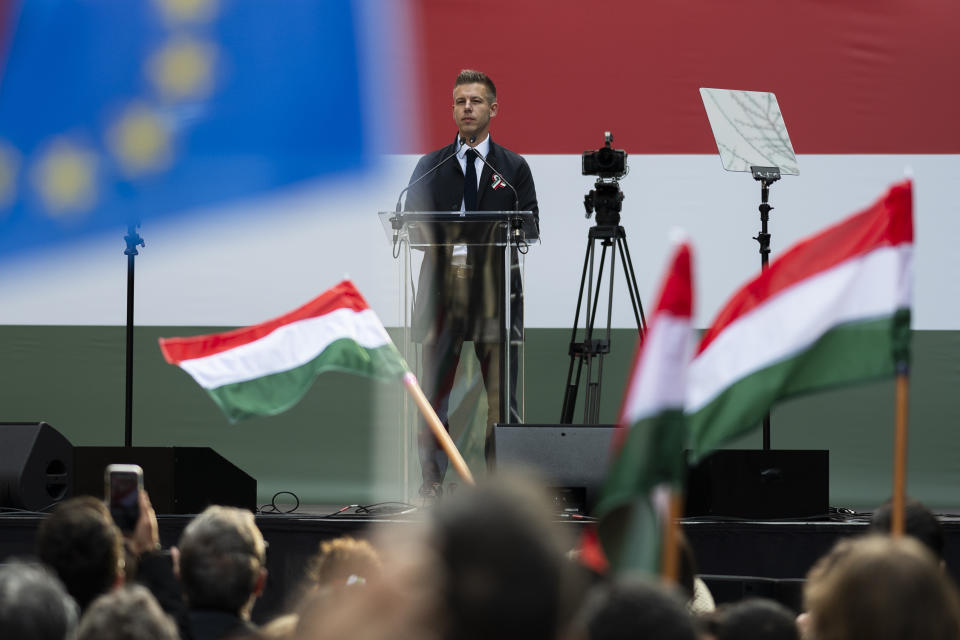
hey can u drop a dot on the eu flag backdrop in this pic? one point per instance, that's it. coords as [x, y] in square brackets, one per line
[118, 110]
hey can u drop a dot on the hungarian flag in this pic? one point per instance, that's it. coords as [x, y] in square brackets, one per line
[267, 368]
[650, 439]
[833, 309]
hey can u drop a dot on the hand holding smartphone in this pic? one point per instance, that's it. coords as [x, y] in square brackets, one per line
[123, 486]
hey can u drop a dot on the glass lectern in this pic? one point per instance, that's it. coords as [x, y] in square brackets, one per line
[461, 278]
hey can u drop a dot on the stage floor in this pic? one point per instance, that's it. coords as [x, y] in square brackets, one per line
[740, 557]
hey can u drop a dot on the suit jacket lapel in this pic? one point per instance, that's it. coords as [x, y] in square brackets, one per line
[452, 183]
[486, 177]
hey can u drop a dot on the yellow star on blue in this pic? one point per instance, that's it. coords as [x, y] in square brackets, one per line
[183, 68]
[140, 140]
[64, 177]
[190, 11]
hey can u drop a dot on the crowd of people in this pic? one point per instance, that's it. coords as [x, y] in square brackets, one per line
[488, 563]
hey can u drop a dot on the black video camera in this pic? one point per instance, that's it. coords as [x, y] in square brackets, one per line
[605, 162]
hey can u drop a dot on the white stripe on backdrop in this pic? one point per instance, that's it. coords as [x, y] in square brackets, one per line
[247, 263]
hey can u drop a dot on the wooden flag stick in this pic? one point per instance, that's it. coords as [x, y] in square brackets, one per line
[898, 506]
[410, 382]
[670, 551]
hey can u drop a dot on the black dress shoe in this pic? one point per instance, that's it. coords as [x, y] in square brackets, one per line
[430, 493]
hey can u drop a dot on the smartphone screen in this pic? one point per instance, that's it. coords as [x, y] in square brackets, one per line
[124, 483]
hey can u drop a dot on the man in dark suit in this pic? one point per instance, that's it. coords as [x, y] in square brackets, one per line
[459, 297]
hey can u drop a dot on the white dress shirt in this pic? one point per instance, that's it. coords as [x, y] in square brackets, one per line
[460, 251]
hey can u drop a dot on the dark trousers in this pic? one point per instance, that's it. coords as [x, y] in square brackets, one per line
[440, 360]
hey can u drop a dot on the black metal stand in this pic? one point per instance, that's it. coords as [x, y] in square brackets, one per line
[766, 176]
[133, 240]
[590, 348]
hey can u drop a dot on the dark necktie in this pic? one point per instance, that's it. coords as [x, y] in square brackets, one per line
[470, 182]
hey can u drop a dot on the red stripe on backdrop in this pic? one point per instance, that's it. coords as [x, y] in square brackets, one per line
[342, 296]
[887, 223]
[850, 77]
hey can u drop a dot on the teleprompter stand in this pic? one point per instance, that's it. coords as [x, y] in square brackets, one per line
[756, 483]
[606, 198]
[751, 136]
[766, 176]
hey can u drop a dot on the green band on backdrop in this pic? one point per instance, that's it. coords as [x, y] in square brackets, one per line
[322, 449]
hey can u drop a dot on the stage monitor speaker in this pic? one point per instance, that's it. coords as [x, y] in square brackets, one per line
[572, 458]
[36, 465]
[178, 479]
[753, 483]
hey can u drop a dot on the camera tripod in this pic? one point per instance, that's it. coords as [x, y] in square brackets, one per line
[606, 198]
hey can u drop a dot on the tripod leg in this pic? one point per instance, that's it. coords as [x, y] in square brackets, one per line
[576, 355]
[596, 299]
[593, 346]
[570, 393]
[632, 284]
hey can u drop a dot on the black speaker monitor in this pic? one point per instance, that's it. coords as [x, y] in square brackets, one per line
[757, 483]
[178, 479]
[36, 465]
[572, 459]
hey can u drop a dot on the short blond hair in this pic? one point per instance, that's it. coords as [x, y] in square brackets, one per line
[469, 76]
[340, 558]
[881, 588]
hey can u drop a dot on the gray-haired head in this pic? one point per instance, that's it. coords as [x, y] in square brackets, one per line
[34, 605]
[128, 613]
[222, 560]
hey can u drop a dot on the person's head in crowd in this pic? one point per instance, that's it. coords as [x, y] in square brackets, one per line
[756, 619]
[128, 613]
[504, 573]
[81, 543]
[282, 627]
[687, 568]
[880, 588]
[33, 604]
[343, 561]
[920, 522]
[627, 608]
[699, 598]
[405, 602]
[222, 561]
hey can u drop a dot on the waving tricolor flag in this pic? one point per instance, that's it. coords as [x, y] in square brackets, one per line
[267, 368]
[649, 464]
[833, 309]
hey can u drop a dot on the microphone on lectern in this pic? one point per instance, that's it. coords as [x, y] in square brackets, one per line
[429, 171]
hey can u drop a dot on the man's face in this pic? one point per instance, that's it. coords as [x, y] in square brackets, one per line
[472, 110]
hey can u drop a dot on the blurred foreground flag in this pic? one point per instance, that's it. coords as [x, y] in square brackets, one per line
[648, 464]
[833, 309]
[267, 368]
[114, 111]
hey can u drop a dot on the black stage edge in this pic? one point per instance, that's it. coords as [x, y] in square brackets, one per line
[738, 558]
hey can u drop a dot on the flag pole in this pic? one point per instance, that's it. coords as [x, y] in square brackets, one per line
[898, 506]
[410, 382]
[670, 551]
